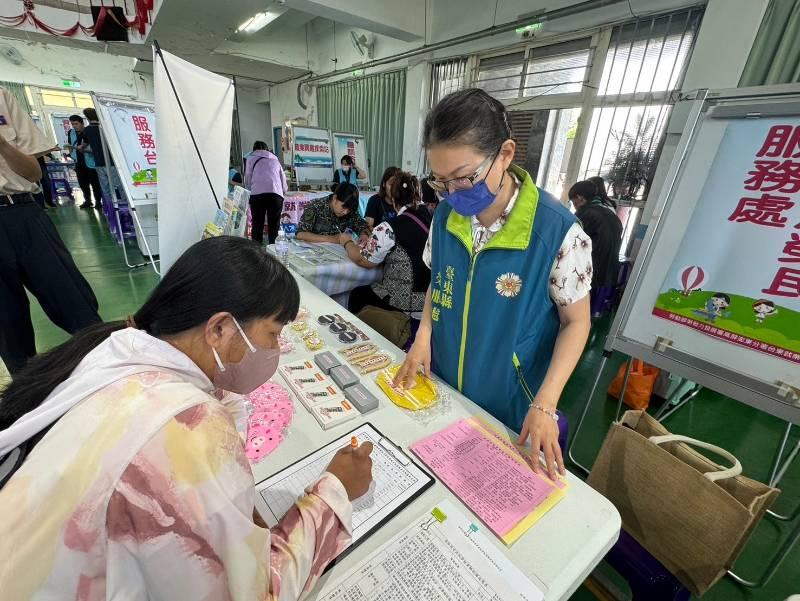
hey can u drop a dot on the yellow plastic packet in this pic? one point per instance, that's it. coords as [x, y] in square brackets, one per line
[422, 395]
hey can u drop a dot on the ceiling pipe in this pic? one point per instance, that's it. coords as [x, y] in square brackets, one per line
[551, 15]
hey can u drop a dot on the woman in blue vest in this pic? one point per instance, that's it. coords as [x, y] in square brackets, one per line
[507, 313]
[348, 172]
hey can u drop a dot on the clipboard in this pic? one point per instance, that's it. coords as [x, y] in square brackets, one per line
[398, 481]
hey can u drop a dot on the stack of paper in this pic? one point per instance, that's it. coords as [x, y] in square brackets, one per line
[490, 476]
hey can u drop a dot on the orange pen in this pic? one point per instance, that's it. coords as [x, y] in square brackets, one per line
[354, 442]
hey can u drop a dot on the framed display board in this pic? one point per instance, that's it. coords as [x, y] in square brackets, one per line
[715, 293]
[129, 128]
[356, 146]
[311, 155]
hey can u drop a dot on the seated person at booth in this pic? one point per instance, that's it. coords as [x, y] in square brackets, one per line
[348, 172]
[333, 219]
[128, 477]
[398, 244]
[379, 206]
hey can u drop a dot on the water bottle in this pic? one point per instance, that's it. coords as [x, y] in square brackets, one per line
[282, 247]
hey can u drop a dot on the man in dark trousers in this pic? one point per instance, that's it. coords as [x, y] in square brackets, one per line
[87, 176]
[32, 255]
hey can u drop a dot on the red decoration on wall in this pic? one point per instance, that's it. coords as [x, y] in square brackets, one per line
[140, 21]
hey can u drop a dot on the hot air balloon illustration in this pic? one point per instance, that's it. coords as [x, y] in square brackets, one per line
[691, 278]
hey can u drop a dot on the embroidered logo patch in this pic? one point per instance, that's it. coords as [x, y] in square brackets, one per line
[508, 285]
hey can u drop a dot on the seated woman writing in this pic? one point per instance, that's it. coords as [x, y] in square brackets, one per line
[398, 245]
[123, 476]
[333, 219]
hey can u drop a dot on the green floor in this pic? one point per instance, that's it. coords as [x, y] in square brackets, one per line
[752, 436]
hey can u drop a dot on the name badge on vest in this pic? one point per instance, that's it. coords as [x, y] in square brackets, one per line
[508, 285]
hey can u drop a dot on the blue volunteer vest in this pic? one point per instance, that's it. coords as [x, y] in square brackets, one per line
[350, 178]
[494, 323]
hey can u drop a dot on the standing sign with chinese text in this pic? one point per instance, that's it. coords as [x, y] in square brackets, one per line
[354, 145]
[736, 275]
[136, 131]
[311, 155]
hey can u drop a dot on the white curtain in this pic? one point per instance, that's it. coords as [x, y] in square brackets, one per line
[185, 199]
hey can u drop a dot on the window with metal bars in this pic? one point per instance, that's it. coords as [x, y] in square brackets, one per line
[644, 67]
[546, 70]
[446, 77]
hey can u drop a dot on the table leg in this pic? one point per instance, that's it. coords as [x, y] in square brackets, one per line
[574, 461]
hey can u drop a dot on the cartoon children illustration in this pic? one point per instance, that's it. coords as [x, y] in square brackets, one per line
[715, 307]
[287, 225]
[763, 309]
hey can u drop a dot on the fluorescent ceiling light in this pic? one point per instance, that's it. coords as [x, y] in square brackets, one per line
[259, 21]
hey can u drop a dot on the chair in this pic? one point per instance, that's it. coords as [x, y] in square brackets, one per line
[648, 578]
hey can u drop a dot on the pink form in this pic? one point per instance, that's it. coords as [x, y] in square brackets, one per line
[498, 489]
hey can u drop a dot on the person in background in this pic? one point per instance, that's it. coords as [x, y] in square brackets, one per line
[602, 194]
[146, 491]
[44, 198]
[380, 206]
[87, 176]
[265, 179]
[334, 219]
[107, 174]
[601, 224]
[507, 314]
[348, 172]
[398, 244]
[234, 178]
[32, 254]
[429, 197]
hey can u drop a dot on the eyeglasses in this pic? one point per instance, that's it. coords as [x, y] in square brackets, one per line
[460, 183]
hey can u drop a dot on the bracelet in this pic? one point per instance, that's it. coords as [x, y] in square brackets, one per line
[547, 412]
[348, 242]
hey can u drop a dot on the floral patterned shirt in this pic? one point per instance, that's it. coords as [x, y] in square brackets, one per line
[319, 218]
[143, 492]
[571, 273]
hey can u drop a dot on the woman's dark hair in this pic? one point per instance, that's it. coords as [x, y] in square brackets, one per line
[348, 160]
[217, 274]
[470, 117]
[347, 194]
[584, 188]
[90, 113]
[405, 190]
[387, 175]
[601, 191]
[77, 118]
[259, 145]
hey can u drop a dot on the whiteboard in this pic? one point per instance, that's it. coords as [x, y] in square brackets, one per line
[756, 378]
[136, 162]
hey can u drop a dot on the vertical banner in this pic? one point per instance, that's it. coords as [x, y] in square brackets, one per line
[736, 276]
[356, 146]
[61, 127]
[311, 155]
[185, 198]
[129, 129]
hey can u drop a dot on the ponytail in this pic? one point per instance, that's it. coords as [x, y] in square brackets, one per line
[222, 274]
[44, 372]
[404, 190]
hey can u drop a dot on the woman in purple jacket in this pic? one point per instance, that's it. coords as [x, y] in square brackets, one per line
[265, 179]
